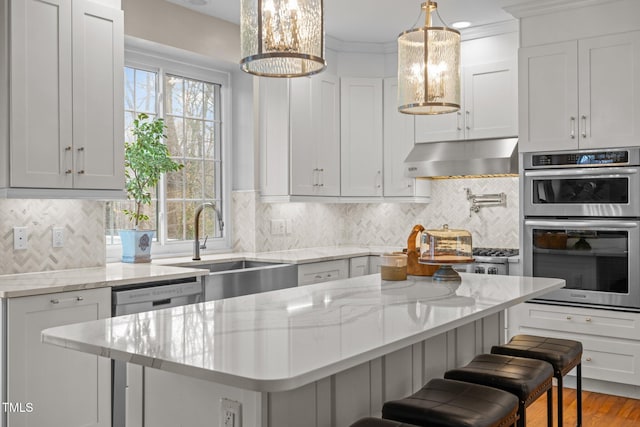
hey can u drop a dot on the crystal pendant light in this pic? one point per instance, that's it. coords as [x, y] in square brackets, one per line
[282, 38]
[429, 68]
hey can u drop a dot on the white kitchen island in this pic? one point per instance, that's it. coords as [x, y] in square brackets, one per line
[319, 355]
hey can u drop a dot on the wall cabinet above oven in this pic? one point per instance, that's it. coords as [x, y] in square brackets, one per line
[580, 94]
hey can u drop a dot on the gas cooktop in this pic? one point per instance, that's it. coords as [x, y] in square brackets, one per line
[494, 252]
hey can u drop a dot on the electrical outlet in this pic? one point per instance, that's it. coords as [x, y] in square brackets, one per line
[230, 415]
[20, 238]
[58, 237]
[277, 227]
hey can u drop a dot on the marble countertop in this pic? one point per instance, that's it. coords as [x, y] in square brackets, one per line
[284, 339]
[291, 256]
[112, 275]
[119, 274]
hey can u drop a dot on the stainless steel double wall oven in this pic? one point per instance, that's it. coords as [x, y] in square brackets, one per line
[582, 224]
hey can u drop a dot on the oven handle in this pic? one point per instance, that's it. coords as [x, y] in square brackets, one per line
[617, 225]
[583, 173]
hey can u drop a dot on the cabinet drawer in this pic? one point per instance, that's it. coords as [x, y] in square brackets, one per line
[318, 272]
[359, 266]
[579, 320]
[606, 359]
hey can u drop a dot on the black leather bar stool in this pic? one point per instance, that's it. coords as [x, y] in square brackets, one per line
[448, 403]
[563, 355]
[377, 422]
[528, 379]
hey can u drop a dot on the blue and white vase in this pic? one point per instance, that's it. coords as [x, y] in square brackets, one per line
[136, 245]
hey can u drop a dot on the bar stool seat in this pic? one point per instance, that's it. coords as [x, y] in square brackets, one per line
[528, 379]
[448, 403]
[564, 355]
[377, 422]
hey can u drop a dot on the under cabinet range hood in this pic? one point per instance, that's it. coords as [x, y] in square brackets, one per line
[468, 158]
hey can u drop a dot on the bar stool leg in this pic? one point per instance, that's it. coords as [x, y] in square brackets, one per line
[522, 421]
[549, 408]
[579, 391]
[560, 393]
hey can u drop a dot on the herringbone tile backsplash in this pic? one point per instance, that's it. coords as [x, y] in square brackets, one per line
[83, 224]
[380, 224]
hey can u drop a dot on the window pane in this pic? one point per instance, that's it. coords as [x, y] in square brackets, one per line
[209, 101]
[175, 135]
[175, 220]
[210, 141]
[193, 178]
[129, 116]
[209, 180]
[129, 91]
[145, 91]
[175, 185]
[193, 98]
[174, 98]
[193, 141]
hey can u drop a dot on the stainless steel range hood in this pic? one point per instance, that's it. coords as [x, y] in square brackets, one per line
[470, 157]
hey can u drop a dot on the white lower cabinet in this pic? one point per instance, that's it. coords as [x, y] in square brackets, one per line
[358, 266]
[65, 387]
[326, 271]
[610, 339]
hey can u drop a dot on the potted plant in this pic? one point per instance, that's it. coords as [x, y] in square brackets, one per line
[145, 160]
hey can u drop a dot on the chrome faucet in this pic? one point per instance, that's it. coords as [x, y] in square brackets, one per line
[196, 243]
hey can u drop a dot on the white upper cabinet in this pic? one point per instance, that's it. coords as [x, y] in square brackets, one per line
[274, 136]
[315, 135]
[398, 142]
[66, 95]
[580, 94]
[361, 136]
[488, 108]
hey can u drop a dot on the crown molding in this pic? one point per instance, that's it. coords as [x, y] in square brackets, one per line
[525, 8]
[471, 33]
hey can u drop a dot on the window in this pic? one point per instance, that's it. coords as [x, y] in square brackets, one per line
[191, 107]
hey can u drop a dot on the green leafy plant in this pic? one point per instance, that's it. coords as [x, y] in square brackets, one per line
[145, 160]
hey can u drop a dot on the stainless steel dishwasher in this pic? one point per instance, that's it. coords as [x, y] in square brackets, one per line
[127, 380]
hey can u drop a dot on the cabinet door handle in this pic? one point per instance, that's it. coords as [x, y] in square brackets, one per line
[468, 119]
[67, 148]
[572, 123]
[80, 148]
[458, 118]
[60, 301]
[68, 171]
[321, 170]
[584, 126]
[80, 172]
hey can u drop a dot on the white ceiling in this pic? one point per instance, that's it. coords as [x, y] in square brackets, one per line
[374, 21]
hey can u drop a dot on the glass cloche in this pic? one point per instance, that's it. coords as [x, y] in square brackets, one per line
[445, 247]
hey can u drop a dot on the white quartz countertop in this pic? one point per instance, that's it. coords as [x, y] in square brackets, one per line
[119, 274]
[284, 339]
[112, 275]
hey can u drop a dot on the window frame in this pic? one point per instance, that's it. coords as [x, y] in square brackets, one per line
[166, 60]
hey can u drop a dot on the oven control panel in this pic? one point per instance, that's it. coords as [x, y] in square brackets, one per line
[583, 159]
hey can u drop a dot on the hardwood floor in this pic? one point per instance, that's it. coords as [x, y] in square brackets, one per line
[598, 410]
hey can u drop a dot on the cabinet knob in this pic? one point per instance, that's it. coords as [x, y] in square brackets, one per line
[569, 317]
[80, 172]
[80, 148]
[588, 319]
[68, 171]
[67, 148]
[588, 359]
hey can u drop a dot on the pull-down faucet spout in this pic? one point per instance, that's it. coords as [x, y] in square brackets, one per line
[196, 242]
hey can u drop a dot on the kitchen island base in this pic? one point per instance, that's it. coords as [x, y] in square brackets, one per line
[339, 400]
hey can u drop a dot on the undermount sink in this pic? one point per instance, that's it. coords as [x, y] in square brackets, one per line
[235, 278]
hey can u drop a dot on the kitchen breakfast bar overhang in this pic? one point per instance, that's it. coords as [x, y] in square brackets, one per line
[318, 355]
